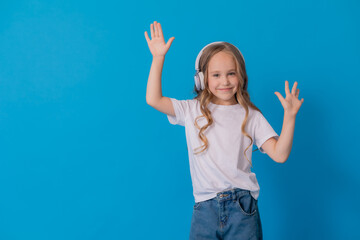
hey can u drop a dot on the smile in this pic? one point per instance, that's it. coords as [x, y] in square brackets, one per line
[225, 89]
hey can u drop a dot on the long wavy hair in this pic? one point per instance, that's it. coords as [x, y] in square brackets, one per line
[205, 96]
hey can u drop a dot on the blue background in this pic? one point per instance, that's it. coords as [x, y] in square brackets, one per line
[82, 156]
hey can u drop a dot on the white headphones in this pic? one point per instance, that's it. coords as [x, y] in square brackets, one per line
[199, 76]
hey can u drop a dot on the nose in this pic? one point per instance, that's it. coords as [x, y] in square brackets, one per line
[225, 81]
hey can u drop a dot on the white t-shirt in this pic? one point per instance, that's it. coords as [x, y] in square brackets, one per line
[222, 166]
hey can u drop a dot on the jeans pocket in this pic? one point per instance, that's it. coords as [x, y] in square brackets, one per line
[247, 204]
[197, 205]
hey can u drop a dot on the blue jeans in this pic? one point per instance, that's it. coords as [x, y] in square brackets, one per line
[231, 215]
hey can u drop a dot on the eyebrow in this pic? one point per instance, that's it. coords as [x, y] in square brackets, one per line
[219, 71]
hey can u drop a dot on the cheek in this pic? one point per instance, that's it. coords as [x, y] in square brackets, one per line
[235, 83]
[212, 85]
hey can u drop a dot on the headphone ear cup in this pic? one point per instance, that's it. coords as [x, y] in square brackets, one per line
[197, 81]
[202, 83]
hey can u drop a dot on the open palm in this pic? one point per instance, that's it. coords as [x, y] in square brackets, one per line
[291, 103]
[157, 44]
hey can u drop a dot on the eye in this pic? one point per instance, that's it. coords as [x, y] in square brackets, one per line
[216, 75]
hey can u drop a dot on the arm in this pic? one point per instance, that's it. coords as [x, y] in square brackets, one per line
[153, 90]
[158, 49]
[279, 150]
[284, 143]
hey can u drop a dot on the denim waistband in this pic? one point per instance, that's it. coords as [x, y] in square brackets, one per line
[230, 194]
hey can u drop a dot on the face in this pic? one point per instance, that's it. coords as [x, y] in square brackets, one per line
[222, 78]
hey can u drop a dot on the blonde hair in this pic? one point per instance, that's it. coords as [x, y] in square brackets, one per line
[205, 96]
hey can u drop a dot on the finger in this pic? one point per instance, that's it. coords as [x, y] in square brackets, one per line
[297, 93]
[293, 91]
[168, 44]
[279, 96]
[287, 90]
[147, 37]
[156, 29]
[152, 31]
[160, 31]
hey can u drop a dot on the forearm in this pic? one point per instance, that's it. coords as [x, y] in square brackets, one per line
[284, 143]
[153, 90]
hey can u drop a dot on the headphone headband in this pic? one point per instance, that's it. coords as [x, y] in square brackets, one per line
[200, 53]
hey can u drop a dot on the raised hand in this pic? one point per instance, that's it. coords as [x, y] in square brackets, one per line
[157, 44]
[291, 103]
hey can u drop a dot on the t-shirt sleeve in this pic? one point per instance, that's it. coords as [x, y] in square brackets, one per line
[263, 131]
[181, 108]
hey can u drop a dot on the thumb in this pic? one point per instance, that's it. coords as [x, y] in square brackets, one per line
[168, 44]
[279, 96]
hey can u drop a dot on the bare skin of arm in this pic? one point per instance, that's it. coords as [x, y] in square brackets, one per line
[158, 49]
[279, 150]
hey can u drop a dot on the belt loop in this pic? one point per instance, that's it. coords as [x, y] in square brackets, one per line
[233, 195]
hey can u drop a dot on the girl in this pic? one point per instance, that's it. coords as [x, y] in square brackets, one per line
[222, 123]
